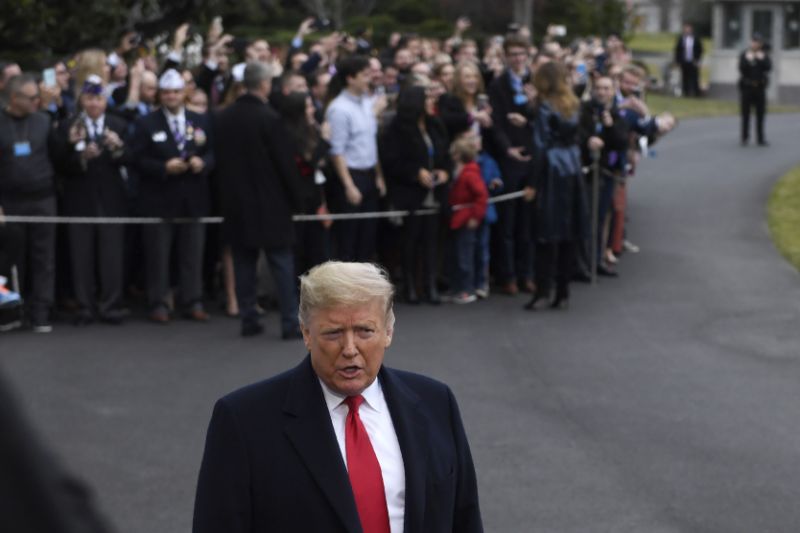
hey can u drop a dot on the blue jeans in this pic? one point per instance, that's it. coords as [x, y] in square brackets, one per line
[463, 279]
[482, 256]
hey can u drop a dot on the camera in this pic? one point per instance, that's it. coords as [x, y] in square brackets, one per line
[321, 24]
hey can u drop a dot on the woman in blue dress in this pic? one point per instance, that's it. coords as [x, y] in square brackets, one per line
[559, 204]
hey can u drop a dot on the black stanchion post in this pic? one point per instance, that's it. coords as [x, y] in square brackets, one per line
[595, 209]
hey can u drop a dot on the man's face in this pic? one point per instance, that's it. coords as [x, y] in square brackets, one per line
[517, 58]
[62, 76]
[295, 84]
[347, 345]
[259, 51]
[148, 88]
[628, 84]
[26, 100]
[171, 99]
[93, 104]
[359, 83]
[320, 90]
[403, 59]
[604, 90]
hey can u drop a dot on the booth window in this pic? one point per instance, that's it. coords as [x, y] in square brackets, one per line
[732, 25]
[791, 26]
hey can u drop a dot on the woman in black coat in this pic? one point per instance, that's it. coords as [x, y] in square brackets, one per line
[416, 163]
[310, 148]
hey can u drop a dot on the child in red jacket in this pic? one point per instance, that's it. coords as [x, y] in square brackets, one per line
[468, 190]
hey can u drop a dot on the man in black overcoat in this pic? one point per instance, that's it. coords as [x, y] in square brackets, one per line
[260, 189]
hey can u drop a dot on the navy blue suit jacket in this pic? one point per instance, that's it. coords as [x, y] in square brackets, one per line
[272, 463]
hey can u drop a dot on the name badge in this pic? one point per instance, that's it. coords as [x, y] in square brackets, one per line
[160, 137]
[319, 177]
[22, 149]
[520, 99]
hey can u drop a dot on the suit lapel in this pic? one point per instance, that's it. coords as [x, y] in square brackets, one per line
[411, 427]
[308, 427]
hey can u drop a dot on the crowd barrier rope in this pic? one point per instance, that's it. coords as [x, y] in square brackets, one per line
[26, 219]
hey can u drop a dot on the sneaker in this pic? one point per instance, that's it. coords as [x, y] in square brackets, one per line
[630, 247]
[10, 326]
[482, 293]
[464, 298]
[41, 327]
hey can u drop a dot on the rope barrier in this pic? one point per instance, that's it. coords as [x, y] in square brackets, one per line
[23, 219]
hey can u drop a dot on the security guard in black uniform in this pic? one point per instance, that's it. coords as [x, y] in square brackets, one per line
[754, 67]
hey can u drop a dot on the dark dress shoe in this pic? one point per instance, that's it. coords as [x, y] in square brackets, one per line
[510, 289]
[607, 272]
[560, 302]
[159, 316]
[197, 314]
[251, 330]
[113, 317]
[528, 286]
[292, 334]
[537, 302]
[433, 297]
[581, 276]
[763, 143]
[83, 319]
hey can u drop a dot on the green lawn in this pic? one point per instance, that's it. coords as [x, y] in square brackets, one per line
[783, 213]
[659, 43]
[684, 108]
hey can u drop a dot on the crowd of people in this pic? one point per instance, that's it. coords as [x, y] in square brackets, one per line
[337, 125]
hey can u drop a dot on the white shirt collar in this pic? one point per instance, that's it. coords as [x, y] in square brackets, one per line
[180, 115]
[372, 396]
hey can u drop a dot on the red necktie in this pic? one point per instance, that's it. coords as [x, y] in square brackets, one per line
[365, 472]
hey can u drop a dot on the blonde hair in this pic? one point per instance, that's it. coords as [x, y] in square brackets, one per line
[552, 87]
[458, 89]
[336, 283]
[464, 149]
[88, 62]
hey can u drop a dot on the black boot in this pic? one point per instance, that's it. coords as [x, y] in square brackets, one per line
[538, 301]
[433, 293]
[561, 301]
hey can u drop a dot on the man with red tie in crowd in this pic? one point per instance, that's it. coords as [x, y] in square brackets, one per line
[340, 443]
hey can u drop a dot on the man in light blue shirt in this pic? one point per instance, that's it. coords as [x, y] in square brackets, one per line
[354, 154]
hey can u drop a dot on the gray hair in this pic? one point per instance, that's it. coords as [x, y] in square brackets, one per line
[337, 283]
[255, 73]
[16, 83]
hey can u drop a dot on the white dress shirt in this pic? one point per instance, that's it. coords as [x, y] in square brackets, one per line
[377, 420]
[180, 117]
[688, 48]
[95, 127]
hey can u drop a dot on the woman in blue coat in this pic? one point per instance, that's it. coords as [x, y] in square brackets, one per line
[559, 206]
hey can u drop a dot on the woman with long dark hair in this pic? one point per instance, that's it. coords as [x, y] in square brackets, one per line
[310, 142]
[559, 207]
[416, 163]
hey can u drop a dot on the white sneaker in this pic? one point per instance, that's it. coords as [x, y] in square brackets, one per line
[482, 293]
[10, 326]
[630, 247]
[464, 298]
[42, 327]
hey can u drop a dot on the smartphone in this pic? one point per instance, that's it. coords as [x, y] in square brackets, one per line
[482, 102]
[49, 77]
[321, 23]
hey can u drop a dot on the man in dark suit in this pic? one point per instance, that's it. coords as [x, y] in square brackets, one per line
[172, 156]
[90, 153]
[688, 53]
[511, 114]
[340, 443]
[260, 189]
[754, 68]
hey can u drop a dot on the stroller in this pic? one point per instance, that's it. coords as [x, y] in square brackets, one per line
[10, 307]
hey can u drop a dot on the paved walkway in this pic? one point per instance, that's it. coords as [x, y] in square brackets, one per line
[665, 401]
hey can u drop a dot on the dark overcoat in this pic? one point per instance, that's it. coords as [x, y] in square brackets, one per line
[258, 180]
[272, 461]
